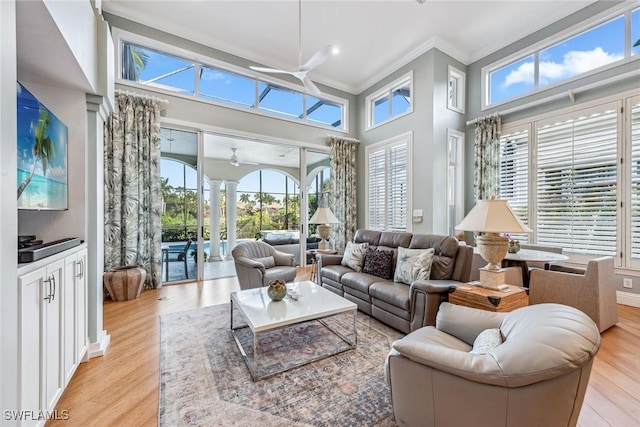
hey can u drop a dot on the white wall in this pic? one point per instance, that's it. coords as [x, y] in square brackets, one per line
[8, 207]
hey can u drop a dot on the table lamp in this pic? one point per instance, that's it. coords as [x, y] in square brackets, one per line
[323, 217]
[492, 217]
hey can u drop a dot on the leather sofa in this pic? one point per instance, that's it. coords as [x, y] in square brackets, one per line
[533, 373]
[403, 307]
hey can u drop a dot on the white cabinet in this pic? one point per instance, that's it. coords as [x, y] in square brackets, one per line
[74, 308]
[53, 328]
[41, 337]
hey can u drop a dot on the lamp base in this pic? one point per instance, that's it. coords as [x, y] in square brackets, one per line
[323, 245]
[492, 277]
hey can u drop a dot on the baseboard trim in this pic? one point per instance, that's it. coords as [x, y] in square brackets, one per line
[628, 298]
[97, 349]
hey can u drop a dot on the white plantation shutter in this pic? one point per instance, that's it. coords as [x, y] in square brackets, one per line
[577, 182]
[634, 165]
[388, 177]
[397, 185]
[514, 174]
[377, 190]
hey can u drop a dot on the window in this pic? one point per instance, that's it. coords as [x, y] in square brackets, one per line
[388, 176]
[514, 173]
[267, 200]
[562, 59]
[225, 84]
[390, 102]
[455, 95]
[455, 179]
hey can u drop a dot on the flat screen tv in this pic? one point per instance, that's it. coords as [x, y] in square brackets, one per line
[42, 155]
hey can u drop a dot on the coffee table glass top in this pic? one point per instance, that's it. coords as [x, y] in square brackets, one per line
[313, 302]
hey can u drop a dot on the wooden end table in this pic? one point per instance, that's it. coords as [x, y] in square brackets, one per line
[470, 295]
[314, 263]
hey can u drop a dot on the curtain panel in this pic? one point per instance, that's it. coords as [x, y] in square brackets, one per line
[133, 230]
[487, 158]
[344, 157]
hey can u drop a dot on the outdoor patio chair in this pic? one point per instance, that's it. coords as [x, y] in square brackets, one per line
[176, 255]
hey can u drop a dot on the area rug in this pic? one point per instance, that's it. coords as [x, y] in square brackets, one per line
[204, 380]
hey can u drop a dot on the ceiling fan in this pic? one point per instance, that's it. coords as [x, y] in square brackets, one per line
[234, 161]
[301, 72]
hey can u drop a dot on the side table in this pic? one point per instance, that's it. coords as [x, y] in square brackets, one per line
[314, 263]
[487, 299]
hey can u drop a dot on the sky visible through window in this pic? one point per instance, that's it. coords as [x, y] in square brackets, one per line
[586, 51]
[175, 74]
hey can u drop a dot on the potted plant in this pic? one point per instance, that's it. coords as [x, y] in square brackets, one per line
[194, 254]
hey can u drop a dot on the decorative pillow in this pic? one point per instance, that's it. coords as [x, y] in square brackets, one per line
[354, 255]
[486, 341]
[413, 264]
[267, 261]
[378, 262]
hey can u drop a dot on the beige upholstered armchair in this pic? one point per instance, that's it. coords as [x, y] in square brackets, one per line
[592, 290]
[534, 372]
[257, 263]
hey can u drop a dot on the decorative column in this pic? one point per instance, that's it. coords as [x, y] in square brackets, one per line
[98, 109]
[214, 220]
[231, 188]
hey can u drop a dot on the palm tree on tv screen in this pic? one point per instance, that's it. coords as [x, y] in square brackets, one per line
[43, 149]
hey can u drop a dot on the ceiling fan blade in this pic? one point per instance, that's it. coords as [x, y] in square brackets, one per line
[318, 58]
[269, 70]
[310, 86]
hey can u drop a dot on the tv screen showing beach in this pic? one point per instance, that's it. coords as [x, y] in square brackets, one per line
[42, 155]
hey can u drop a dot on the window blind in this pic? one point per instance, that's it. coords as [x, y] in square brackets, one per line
[635, 179]
[387, 187]
[577, 183]
[514, 175]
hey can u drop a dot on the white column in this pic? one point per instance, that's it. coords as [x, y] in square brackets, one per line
[214, 220]
[98, 108]
[231, 188]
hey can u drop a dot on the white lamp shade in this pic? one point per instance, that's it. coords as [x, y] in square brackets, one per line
[492, 216]
[323, 216]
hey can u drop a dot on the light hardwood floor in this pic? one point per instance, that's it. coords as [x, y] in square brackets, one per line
[121, 388]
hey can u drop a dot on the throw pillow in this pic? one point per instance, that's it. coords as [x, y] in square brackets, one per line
[413, 264]
[486, 341]
[354, 255]
[267, 261]
[378, 262]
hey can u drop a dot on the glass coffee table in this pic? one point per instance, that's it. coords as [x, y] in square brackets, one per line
[276, 336]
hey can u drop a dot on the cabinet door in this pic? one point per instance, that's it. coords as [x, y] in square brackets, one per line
[82, 338]
[31, 287]
[69, 318]
[52, 337]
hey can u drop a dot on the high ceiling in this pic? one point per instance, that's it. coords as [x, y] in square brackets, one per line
[375, 37]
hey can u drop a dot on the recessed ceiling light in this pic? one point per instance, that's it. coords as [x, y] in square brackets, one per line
[335, 50]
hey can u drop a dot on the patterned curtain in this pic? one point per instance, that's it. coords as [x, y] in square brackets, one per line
[343, 190]
[133, 231]
[487, 158]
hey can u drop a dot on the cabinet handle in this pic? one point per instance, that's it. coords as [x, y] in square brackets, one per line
[48, 281]
[80, 269]
[53, 296]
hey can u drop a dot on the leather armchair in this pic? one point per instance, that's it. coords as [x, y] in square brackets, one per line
[257, 263]
[536, 377]
[592, 291]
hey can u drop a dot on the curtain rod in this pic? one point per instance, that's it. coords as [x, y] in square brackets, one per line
[140, 95]
[571, 94]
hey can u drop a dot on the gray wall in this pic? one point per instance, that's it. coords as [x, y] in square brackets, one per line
[428, 123]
